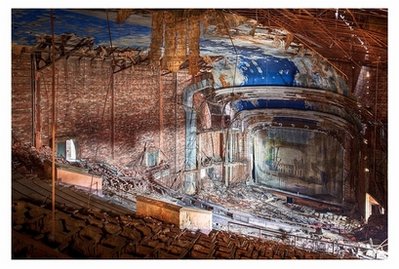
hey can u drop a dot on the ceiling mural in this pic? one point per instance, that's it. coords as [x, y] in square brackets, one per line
[30, 24]
[248, 54]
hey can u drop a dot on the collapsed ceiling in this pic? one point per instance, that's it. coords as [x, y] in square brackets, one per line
[270, 68]
[281, 99]
[357, 36]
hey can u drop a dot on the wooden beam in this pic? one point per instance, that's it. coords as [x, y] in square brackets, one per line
[282, 25]
[333, 39]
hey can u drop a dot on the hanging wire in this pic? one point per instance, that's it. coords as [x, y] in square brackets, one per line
[111, 85]
[234, 48]
[110, 41]
[112, 91]
[224, 105]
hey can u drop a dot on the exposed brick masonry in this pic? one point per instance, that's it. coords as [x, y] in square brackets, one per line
[21, 97]
[84, 108]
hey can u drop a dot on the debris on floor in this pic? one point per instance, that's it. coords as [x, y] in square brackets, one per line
[242, 208]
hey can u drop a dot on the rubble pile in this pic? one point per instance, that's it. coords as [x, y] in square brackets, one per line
[118, 182]
[265, 205]
[376, 229]
[123, 184]
[298, 225]
[26, 158]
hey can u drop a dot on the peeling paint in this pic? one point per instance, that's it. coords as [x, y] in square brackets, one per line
[247, 60]
[261, 64]
[27, 24]
[261, 103]
[300, 161]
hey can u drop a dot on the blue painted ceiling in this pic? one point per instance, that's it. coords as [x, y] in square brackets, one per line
[262, 103]
[246, 60]
[27, 24]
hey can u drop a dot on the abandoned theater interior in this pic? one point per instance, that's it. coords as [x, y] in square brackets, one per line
[199, 133]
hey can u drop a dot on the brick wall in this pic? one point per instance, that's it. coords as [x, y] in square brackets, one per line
[146, 112]
[173, 133]
[378, 80]
[21, 97]
[382, 98]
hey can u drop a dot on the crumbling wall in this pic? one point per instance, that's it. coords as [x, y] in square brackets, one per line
[211, 147]
[148, 114]
[136, 113]
[173, 133]
[21, 97]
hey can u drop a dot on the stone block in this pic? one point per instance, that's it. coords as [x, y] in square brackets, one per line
[193, 219]
[182, 217]
[160, 210]
[78, 177]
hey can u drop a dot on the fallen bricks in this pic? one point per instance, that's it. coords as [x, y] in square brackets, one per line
[146, 237]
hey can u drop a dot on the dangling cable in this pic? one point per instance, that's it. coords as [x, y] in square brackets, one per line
[110, 41]
[112, 93]
[234, 48]
[105, 104]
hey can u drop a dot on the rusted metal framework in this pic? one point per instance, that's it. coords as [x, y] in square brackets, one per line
[70, 45]
[358, 36]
